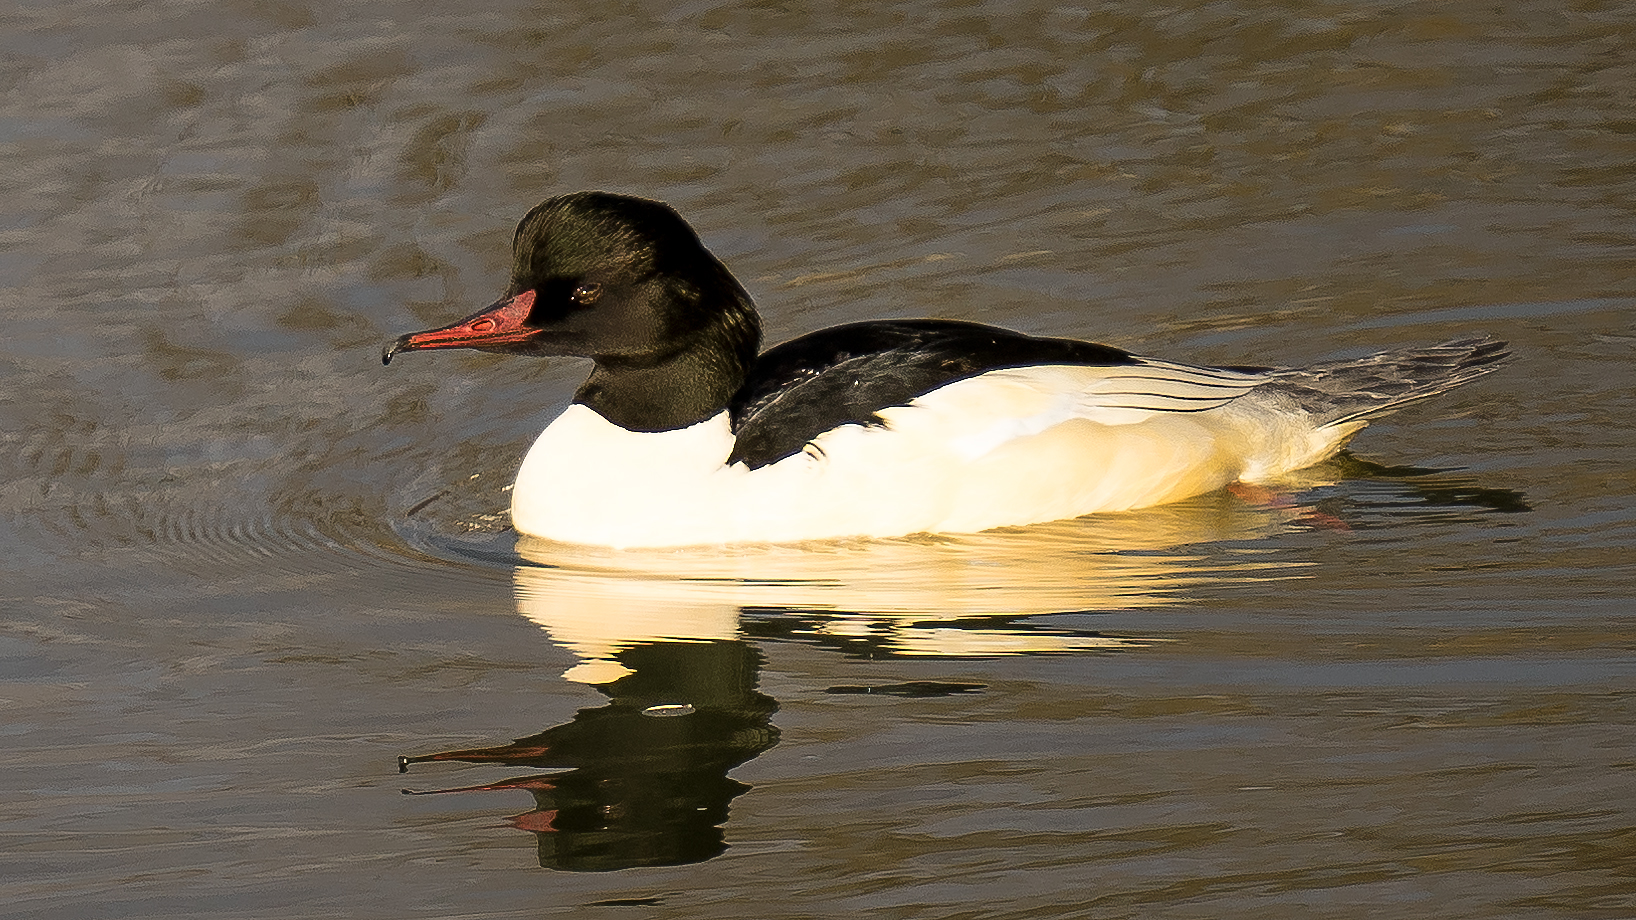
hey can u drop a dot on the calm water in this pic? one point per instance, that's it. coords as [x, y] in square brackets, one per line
[246, 568]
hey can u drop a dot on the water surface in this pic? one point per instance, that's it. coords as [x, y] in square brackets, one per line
[247, 569]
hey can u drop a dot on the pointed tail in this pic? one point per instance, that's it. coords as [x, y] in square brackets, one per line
[1340, 392]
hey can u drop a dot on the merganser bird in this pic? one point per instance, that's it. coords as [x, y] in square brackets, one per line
[684, 434]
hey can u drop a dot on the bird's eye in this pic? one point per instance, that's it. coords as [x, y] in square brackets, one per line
[587, 293]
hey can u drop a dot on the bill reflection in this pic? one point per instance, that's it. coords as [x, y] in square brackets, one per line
[642, 780]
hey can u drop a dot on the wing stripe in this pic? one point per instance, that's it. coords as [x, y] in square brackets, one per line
[1240, 385]
[1201, 368]
[1215, 398]
[1175, 409]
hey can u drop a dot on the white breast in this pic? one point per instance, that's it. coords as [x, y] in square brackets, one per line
[1010, 447]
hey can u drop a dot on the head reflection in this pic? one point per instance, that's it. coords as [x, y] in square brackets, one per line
[644, 778]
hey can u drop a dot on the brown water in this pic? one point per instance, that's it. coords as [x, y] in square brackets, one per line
[246, 568]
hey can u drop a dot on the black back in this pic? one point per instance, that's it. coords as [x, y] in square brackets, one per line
[847, 374]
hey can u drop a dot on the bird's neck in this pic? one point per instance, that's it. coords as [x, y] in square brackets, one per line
[677, 392]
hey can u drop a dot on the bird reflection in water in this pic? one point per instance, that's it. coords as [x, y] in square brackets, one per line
[643, 780]
[646, 779]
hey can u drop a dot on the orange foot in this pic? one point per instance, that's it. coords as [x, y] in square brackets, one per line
[1260, 495]
[1273, 498]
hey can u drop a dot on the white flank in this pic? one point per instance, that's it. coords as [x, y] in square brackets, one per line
[1010, 447]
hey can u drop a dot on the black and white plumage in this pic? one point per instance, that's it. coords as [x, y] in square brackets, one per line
[847, 374]
[685, 434]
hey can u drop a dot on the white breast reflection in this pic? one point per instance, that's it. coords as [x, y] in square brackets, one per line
[953, 596]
